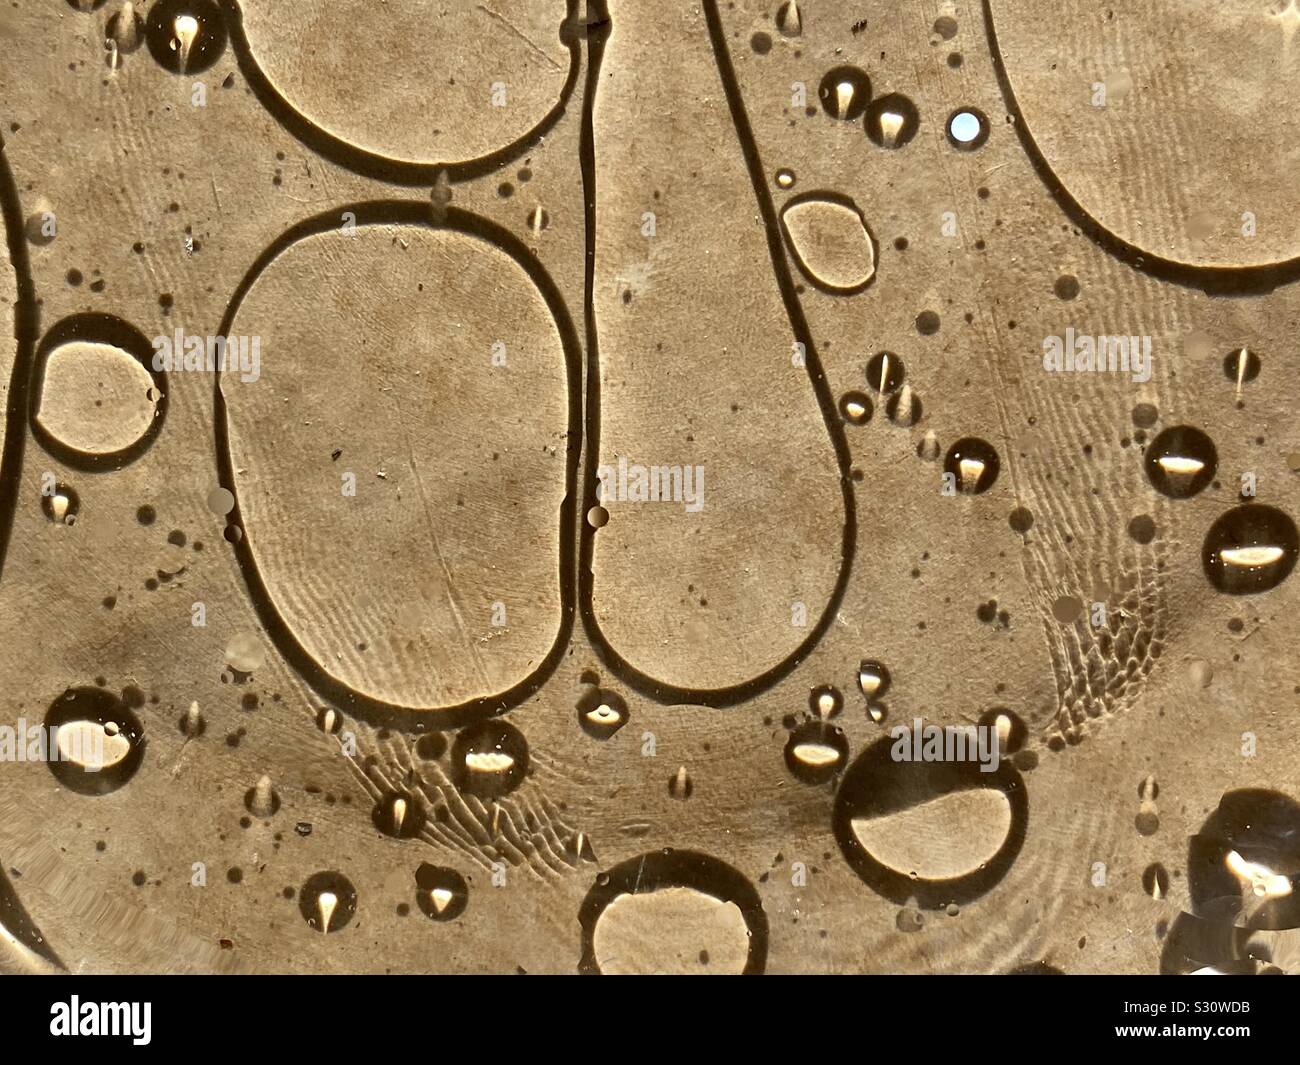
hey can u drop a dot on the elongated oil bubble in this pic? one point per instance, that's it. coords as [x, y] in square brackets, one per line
[845, 92]
[441, 893]
[489, 759]
[816, 752]
[680, 784]
[973, 463]
[788, 19]
[601, 713]
[327, 901]
[398, 814]
[1180, 461]
[186, 36]
[1251, 548]
[885, 372]
[262, 800]
[1241, 366]
[665, 911]
[891, 121]
[938, 832]
[830, 242]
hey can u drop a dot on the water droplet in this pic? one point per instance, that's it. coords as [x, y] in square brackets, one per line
[62, 505]
[441, 893]
[1241, 865]
[221, 501]
[126, 28]
[845, 92]
[825, 701]
[873, 679]
[431, 746]
[1241, 366]
[904, 407]
[892, 121]
[191, 722]
[968, 128]
[680, 784]
[327, 901]
[855, 408]
[1155, 880]
[1011, 730]
[329, 720]
[974, 463]
[185, 36]
[785, 178]
[489, 759]
[927, 447]
[99, 741]
[601, 713]
[244, 652]
[830, 242]
[1251, 548]
[654, 912]
[261, 799]
[100, 404]
[789, 21]
[937, 832]
[598, 517]
[885, 372]
[1180, 461]
[398, 814]
[816, 752]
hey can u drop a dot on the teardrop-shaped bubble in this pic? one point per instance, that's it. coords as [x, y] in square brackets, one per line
[845, 92]
[441, 892]
[1180, 461]
[892, 120]
[825, 701]
[973, 463]
[327, 901]
[830, 241]
[398, 814]
[1251, 548]
[873, 679]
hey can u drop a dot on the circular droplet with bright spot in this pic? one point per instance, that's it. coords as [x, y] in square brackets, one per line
[1180, 461]
[1251, 548]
